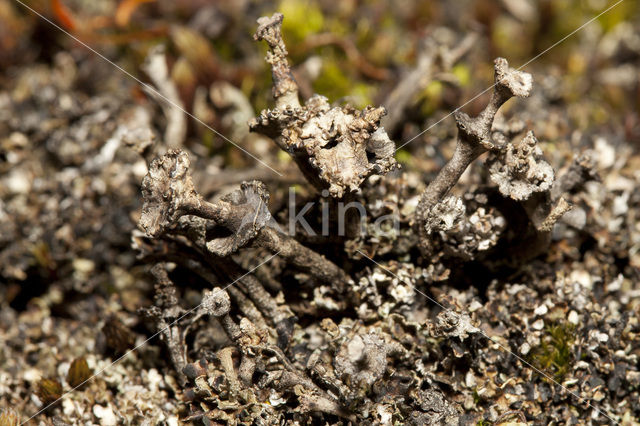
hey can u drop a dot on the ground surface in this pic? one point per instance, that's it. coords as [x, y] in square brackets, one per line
[533, 336]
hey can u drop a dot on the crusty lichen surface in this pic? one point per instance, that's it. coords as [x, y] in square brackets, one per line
[169, 195]
[519, 169]
[474, 138]
[231, 320]
[336, 148]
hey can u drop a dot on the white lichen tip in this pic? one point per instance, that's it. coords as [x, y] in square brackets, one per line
[519, 83]
[216, 302]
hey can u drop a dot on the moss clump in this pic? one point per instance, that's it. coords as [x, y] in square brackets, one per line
[8, 417]
[554, 355]
[333, 82]
[431, 98]
[304, 18]
[49, 391]
[79, 373]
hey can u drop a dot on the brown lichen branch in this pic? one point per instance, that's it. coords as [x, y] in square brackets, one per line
[311, 397]
[285, 88]
[226, 361]
[281, 316]
[169, 194]
[165, 312]
[252, 345]
[217, 303]
[248, 293]
[474, 137]
[336, 148]
[557, 211]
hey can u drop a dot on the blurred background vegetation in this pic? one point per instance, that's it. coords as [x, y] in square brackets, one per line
[352, 51]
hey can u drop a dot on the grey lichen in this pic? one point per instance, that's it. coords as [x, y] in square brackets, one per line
[336, 148]
[215, 303]
[520, 170]
[421, 338]
[165, 313]
[445, 215]
[168, 192]
[469, 235]
[285, 88]
[169, 195]
[435, 409]
[453, 324]
[251, 216]
[361, 359]
[474, 137]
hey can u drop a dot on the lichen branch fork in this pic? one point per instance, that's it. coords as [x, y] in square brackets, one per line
[474, 136]
[169, 194]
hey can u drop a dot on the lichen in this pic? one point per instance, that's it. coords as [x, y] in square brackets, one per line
[336, 148]
[519, 170]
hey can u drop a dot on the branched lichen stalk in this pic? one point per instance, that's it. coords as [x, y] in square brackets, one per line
[474, 136]
[169, 194]
[164, 313]
[336, 148]
[302, 257]
[281, 317]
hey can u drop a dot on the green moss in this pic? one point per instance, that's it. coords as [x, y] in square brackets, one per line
[332, 82]
[476, 396]
[431, 97]
[338, 27]
[302, 18]
[224, 49]
[361, 95]
[42, 255]
[510, 39]
[554, 355]
[404, 157]
[284, 157]
[364, 34]
[207, 139]
[616, 15]
[463, 74]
